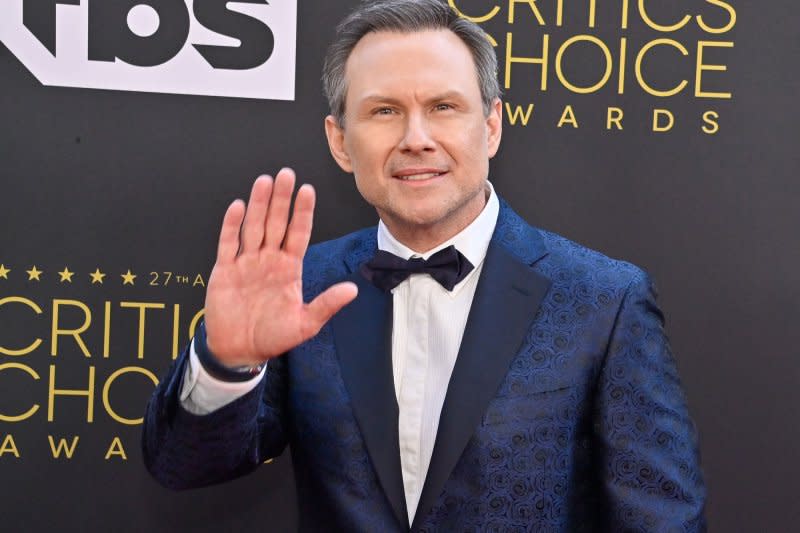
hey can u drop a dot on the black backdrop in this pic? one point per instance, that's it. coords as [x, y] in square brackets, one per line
[115, 182]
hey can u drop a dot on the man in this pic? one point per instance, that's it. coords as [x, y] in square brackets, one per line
[492, 376]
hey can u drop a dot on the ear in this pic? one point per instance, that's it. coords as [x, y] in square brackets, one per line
[494, 127]
[335, 136]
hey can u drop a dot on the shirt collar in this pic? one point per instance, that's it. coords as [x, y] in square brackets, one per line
[472, 241]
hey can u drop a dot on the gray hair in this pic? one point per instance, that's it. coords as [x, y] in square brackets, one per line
[405, 16]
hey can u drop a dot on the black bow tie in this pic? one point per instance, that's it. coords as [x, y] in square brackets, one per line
[447, 266]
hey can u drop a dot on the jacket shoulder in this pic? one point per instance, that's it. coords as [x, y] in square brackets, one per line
[567, 259]
[559, 258]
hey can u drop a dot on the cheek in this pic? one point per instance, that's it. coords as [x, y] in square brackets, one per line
[367, 171]
[470, 137]
[357, 143]
[469, 148]
[369, 155]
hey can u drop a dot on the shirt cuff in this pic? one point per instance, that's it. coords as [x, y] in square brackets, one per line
[201, 393]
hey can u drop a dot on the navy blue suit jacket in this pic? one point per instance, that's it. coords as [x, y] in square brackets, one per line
[564, 411]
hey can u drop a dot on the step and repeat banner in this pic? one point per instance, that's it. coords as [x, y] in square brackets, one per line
[663, 133]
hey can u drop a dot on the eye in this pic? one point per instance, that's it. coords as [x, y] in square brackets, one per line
[443, 107]
[383, 111]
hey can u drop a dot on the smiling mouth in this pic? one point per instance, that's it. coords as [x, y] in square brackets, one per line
[421, 176]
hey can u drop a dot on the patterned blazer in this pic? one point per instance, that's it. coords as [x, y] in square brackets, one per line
[564, 411]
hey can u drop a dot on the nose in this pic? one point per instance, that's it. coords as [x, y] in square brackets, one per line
[417, 135]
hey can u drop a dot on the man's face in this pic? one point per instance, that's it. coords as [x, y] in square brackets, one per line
[415, 133]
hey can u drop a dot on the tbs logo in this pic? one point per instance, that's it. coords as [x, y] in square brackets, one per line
[243, 48]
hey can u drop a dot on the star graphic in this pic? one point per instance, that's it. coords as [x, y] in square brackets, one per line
[127, 278]
[4, 271]
[34, 273]
[97, 276]
[66, 275]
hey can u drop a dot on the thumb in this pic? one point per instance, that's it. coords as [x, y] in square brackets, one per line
[327, 304]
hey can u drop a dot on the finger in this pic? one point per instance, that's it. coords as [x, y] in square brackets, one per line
[327, 304]
[299, 232]
[253, 228]
[278, 215]
[229, 234]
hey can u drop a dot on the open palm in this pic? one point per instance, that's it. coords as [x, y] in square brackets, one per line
[254, 301]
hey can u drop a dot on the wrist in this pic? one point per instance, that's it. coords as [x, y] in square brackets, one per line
[218, 369]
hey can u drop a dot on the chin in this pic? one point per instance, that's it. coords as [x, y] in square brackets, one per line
[423, 218]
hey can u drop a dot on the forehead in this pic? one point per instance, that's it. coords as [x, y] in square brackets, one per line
[397, 64]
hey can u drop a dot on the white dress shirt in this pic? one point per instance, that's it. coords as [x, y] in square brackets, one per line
[427, 327]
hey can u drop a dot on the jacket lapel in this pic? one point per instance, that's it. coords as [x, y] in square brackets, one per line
[506, 300]
[362, 334]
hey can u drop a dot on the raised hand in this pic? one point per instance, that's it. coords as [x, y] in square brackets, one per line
[254, 301]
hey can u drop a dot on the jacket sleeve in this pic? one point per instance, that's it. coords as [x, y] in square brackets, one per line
[650, 459]
[182, 450]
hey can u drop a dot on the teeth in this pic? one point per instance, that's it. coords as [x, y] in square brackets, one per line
[420, 177]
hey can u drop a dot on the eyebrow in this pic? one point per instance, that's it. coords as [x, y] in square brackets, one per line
[378, 98]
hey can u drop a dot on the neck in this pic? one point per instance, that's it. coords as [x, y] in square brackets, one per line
[424, 237]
